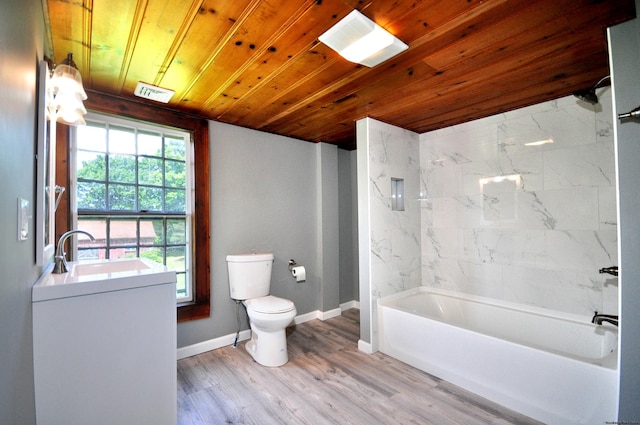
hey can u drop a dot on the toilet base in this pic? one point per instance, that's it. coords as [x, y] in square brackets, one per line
[268, 348]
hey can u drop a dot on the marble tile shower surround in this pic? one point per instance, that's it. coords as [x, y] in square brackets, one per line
[519, 222]
[395, 235]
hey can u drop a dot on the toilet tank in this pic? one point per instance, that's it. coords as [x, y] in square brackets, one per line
[249, 275]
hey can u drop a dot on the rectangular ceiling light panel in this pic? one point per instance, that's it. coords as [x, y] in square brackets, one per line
[360, 40]
[158, 94]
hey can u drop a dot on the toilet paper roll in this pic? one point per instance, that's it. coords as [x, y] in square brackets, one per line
[299, 273]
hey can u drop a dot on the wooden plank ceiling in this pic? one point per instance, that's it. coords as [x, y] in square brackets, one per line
[259, 64]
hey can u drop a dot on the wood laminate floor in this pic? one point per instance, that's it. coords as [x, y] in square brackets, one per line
[327, 381]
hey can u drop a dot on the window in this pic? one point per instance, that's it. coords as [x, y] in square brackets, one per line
[133, 192]
[198, 128]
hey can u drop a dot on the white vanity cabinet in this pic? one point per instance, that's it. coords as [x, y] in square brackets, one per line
[104, 342]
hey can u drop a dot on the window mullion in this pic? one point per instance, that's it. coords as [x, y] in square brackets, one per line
[137, 176]
[108, 238]
[164, 239]
[107, 188]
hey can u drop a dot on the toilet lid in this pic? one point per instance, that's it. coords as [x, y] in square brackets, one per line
[270, 304]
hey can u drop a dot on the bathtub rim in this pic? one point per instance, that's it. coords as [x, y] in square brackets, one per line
[388, 300]
[609, 361]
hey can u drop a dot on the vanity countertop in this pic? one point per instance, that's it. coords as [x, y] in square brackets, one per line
[90, 277]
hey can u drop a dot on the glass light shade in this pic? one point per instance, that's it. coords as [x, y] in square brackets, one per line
[67, 93]
[63, 102]
[66, 79]
[71, 116]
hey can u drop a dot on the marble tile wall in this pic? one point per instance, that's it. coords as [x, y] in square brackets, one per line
[505, 217]
[395, 235]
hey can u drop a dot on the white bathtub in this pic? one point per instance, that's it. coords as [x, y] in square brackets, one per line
[554, 367]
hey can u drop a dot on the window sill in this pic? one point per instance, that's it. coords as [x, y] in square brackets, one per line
[193, 311]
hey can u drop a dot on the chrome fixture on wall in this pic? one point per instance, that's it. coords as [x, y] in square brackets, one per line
[611, 270]
[599, 318]
[631, 114]
[590, 95]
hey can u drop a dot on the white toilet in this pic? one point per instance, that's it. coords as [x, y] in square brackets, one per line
[249, 281]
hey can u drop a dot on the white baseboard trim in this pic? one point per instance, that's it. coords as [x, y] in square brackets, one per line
[212, 344]
[365, 347]
[325, 315]
[225, 340]
[312, 315]
[349, 305]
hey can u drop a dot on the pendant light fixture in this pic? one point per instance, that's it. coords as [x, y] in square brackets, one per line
[68, 93]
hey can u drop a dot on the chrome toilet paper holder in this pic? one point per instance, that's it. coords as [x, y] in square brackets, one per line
[292, 264]
[298, 272]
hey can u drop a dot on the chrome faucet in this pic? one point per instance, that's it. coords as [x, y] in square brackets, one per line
[60, 257]
[599, 318]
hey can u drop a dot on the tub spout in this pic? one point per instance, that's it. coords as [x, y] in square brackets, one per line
[599, 318]
[611, 270]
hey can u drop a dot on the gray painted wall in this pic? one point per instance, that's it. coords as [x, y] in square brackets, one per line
[271, 194]
[364, 235]
[328, 240]
[21, 45]
[625, 63]
[348, 225]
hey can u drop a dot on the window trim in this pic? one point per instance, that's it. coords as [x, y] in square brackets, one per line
[200, 307]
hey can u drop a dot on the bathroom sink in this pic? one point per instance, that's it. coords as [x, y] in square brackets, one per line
[92, 277]
[102, 267]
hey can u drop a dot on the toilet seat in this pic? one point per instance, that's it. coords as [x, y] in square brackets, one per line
[269, 305]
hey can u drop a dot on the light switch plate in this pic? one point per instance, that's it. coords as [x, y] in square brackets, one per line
[24, 215]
